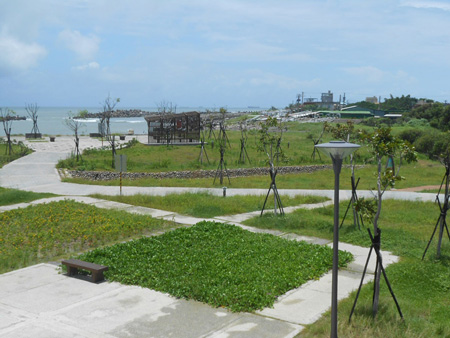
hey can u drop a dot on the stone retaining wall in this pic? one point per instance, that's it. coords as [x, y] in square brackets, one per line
[107, 175]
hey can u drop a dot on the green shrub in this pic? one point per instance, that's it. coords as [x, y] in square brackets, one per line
[411, 135]
[418, 123]
[425, 144]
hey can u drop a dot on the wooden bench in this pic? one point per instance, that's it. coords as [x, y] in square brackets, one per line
[74, 264]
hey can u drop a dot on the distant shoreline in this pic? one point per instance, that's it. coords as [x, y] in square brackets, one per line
[117, 113]
[14, 118]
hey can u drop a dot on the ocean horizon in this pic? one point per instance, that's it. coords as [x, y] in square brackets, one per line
[51, 120]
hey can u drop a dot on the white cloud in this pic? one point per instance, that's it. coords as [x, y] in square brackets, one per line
[259, 78]
[428, 5]
[84, 46]
[90, 65]
[18, 55]
[369, 73]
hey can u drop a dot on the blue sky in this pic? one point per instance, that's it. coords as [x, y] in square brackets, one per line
[220, 53]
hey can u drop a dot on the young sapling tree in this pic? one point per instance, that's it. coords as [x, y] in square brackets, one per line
[384, 147]
[75, 125]
[270, 144]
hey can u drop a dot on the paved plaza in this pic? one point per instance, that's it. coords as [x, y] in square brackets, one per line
[40, 301]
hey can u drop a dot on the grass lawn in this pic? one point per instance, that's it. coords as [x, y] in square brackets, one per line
[13, 196]
[422, 173]
[18, 150]
[49, 231]
[207, 205]
[421, 287]
[297, 145]
[219, 264]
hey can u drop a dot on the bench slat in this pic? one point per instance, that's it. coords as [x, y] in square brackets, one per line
[84, 265]
[96, 269]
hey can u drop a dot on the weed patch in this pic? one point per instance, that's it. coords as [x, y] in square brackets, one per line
[13, 196]
[44, 232]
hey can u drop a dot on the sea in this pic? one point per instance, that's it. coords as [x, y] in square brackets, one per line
[51, 120]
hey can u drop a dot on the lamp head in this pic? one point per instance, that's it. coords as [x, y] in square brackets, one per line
[338, 150]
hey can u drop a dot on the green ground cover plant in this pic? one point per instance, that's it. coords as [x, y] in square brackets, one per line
[14, 196]
[204, 204]
[421, 287]
[47, 231]
[219, 264]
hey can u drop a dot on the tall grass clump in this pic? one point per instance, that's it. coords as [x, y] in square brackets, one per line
[14, 196]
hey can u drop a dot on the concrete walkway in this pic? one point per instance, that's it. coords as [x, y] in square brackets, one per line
[36, 172]
[38, 301]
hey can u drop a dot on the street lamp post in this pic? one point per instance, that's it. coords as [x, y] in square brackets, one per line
[337, 150]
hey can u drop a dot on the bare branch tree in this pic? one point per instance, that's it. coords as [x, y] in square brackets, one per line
[6, 116]
[108, 108]
[75, 125]
[32, 110]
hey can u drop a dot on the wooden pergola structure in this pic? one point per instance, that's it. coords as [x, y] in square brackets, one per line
[174, 128]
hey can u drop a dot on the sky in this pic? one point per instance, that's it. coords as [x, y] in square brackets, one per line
[221, 53]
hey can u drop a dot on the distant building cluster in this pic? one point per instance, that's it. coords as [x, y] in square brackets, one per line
[325, 109]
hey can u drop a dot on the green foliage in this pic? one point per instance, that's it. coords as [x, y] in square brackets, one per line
[418, 123]
[340, 131]
[365, 104]
[46, 231]
[383, 144]
[434, 145]
[219, 264]
[411, 135]
[83, 113]
[366, 208]
[436, 113]
[425, 144]
[270, 142]
[403, 103]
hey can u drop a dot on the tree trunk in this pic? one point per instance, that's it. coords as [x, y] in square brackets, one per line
[376, 285]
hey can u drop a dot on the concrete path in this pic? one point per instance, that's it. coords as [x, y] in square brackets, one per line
[38, 301]
[36, 172]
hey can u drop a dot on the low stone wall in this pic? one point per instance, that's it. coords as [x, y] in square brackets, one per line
[108, 175]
